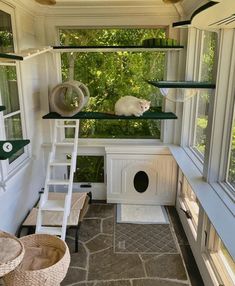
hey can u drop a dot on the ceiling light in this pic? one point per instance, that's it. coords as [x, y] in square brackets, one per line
[46, 2]
[171, 1]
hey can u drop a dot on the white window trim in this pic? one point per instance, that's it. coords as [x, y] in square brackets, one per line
[216, 164]
[8, 170]
[194, 54]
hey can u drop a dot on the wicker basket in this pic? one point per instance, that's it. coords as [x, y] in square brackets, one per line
[51, 276]
[7, 267]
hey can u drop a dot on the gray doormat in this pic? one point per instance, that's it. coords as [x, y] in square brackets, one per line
[144, 238]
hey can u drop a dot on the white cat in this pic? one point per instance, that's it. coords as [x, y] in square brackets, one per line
[131, 105]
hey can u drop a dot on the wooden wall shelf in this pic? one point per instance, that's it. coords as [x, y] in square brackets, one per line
[2, 108]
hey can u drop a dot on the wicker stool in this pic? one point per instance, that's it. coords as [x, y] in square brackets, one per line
[8, 266]
[50, 276]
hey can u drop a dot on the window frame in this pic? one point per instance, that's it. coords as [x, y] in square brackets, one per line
[216, 165]
[228, 145]
[184, 189]
[169, 69]
[8, 169]
[212, 253]
[193, 72]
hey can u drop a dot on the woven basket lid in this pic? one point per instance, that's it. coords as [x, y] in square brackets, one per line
[11, 252]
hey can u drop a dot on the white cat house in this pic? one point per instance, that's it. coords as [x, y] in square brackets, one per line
[141, 175]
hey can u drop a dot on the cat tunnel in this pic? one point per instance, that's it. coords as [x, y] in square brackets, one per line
[69, 98]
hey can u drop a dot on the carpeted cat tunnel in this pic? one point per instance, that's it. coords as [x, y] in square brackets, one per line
[69, 98]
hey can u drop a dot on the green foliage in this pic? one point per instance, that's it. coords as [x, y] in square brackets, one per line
[201, 125]
[110, 76]
[89, 169]
[231, 171]
[6, 35]
[209, 57]
[6, 42]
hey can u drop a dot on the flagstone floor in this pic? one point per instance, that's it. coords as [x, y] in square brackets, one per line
[97, 263]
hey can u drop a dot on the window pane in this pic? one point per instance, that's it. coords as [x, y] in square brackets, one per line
[228, 258]
[13, 127]
[110, 76]
[13, 130]
[223, 263]
[9, 89]
[190, 201]
[202, 121]
[207, 69]
[89, 169]
[6, 36]
[208, 60]
[231, 169]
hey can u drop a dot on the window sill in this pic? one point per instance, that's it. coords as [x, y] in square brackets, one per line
[225, 195]
[196, 159]
[103, 142]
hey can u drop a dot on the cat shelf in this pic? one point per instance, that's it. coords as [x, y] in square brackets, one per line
[2, 107]
[99, 115]
[10, 147]
[116, 48]
[182, 84]
[25, 54]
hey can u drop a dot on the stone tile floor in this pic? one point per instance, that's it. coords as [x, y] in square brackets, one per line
[96, 263]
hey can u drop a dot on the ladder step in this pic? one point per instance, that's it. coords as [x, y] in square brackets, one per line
[65, 144]
[50, 230]
[58, 182]
[60, 163]
[66, 126]
[53, 205]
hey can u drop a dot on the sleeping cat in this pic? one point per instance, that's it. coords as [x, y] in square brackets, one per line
[131, 105]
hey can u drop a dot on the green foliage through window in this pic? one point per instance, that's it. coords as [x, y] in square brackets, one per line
[6, 35]
[231, 170]
[110, 76]
[89, 169]
[207, 67]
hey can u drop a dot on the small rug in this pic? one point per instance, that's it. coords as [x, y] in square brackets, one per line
[144, 238]
[141, 214]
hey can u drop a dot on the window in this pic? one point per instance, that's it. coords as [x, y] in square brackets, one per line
[221, 261]
[6, 34]
[189, 201]
[112, 75]
[9, 91]
[206, 73]
[231, 162]
[89, 169]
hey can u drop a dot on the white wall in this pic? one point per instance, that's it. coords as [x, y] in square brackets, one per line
[23, 184]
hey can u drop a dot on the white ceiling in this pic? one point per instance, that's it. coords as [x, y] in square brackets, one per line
[187, 5]
[182, 9]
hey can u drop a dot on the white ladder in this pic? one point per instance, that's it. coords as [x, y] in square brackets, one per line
[55, 161]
